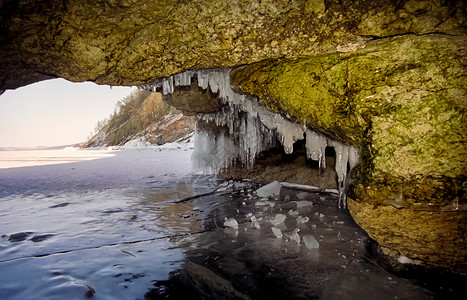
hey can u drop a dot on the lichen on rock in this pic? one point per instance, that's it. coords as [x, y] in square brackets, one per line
[395, 99]
[402, 101]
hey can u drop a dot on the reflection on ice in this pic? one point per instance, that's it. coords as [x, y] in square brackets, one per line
[130, 227]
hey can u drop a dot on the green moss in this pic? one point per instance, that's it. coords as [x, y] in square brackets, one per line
[401, 100]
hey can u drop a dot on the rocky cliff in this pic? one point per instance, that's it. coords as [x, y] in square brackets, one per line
[386, 77]
[144, 116]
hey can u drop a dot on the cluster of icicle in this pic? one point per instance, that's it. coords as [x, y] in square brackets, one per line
[251, 129]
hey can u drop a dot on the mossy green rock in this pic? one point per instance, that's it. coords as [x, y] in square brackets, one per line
[133, 42]
[402, 100]
[424, 236]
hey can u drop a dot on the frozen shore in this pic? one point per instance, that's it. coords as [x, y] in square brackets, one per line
[138, 224]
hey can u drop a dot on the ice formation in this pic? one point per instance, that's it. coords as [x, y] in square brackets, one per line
[278, 219]
[231, 223]
[246, 128]
[310, 241]
[277, 232]
[269, 190]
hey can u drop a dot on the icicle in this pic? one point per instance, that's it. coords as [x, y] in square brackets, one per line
[203, 79]
[289, 133]
[354, 157]
[167, 86]
[316, 147]
[342, 158]
[251, 129]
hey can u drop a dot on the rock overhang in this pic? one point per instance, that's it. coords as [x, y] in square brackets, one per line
[134, 42]
[412, 146]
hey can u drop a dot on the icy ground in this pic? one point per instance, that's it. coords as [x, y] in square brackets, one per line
[137, 224]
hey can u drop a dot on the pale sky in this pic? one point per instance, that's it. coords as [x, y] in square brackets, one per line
[55, 112]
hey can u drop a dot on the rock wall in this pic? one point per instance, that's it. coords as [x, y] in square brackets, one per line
[387, 77]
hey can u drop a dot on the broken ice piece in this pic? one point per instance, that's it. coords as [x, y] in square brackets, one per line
[278, 219]
[277, 232]
[310, 242]
[248, 215]
[231, 223]
[256, 224]
[293, 213]
[253, 219]
[302, 195]
[303, 204]
[294, 235]
[301, 219]
[263, 203]
[269, 190]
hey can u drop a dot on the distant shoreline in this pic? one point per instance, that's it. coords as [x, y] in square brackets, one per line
[78, 145]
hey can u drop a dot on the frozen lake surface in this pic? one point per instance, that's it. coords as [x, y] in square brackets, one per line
[139, 225]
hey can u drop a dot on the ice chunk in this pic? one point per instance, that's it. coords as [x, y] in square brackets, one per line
[256, 224]
[278, 219]
[293, 213]
[302, 195]
[269, 190]
[310, 241]
[294, 235]
[302, 220]
[277, 232]
[231, 223]
[264, 203]
[303, 204]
